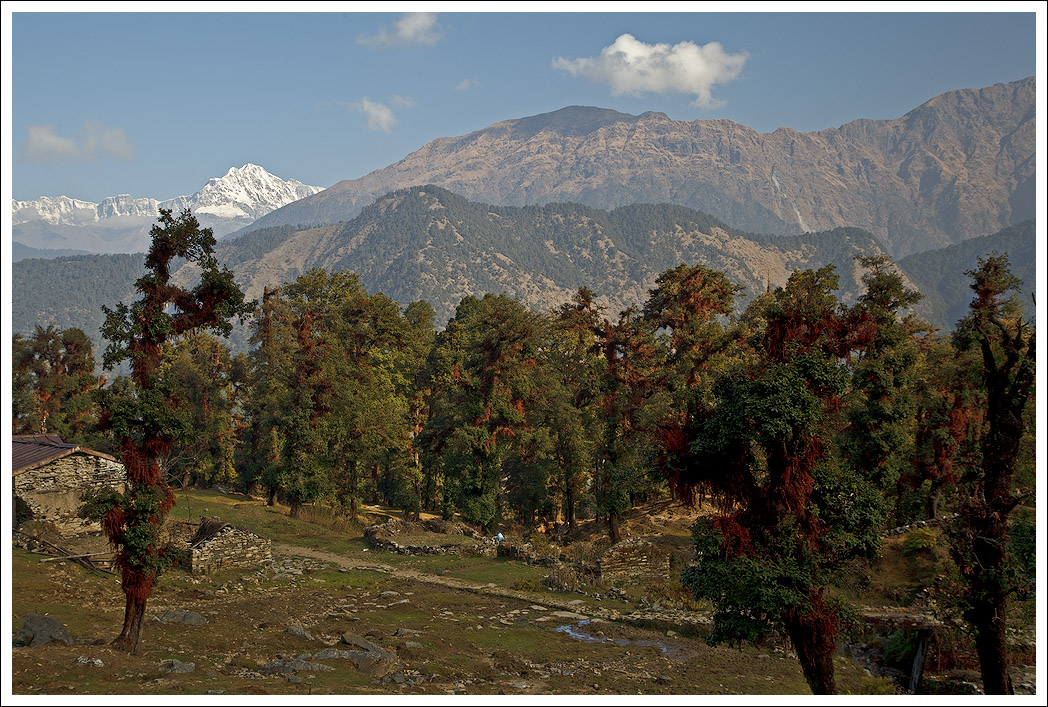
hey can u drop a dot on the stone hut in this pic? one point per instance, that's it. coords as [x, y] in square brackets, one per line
[634, 558]
[219, 544]
[50, 476]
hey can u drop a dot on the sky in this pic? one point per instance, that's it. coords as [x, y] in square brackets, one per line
[155, 104]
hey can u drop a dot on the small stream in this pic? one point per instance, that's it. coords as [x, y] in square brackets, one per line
[573, 630]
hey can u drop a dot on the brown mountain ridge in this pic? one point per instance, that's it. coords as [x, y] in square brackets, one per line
[959, 166]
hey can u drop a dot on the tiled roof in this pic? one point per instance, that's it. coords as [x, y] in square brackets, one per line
[31, 451]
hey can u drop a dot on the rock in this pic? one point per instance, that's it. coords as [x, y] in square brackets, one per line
[375, 664]
[174, 665]
[38, 630]
[351, 639]
[569, 615]
[292, 665]
[182, 616]
[407, 632]
[390, 593]
[297, 631]
[441, 573]
[413, 644]
[93, 662]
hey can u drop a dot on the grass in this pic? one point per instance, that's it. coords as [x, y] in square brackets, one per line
[246, 627]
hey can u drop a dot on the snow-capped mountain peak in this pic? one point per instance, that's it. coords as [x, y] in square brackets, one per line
[225, 204]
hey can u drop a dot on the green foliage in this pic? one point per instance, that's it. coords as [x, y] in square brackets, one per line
[920, 540]
[54, 386]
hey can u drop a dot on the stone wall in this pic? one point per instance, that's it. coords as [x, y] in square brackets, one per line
[52, 492]
[634, 558]
[230, 547]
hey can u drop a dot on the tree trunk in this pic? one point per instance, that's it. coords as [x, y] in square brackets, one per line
[614, 532]
[814, 651]
[271, 501]
[296, 508]
[932, 504]
[569, 507]
[130, 636]
[992, 647]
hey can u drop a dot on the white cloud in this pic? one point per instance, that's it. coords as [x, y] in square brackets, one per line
[380, 116]
[410, 28]
[93, 141]
[466, 84]
[403, 101]
[630, 66]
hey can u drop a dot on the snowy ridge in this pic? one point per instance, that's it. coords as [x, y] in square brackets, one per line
[242, 195]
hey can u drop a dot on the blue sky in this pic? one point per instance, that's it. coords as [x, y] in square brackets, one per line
[155, 104]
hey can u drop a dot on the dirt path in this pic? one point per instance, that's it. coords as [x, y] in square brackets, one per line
[538, 598]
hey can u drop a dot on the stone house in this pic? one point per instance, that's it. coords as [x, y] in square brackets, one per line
[219, 544]
[50, 476]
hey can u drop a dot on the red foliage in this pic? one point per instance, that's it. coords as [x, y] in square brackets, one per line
[736, 537]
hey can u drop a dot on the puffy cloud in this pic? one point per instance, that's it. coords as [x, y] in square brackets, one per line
[630, 66]
[380, 116]
[466, 84]
[403, 101]
[93, 141]
[410, 28]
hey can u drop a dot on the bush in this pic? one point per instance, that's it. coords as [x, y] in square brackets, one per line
[920, 540]
[900, 649]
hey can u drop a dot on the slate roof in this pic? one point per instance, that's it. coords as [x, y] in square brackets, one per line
[32, 451]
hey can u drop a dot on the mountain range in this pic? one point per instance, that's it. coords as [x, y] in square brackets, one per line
[121, 224]
[428, 243]
[959, 166]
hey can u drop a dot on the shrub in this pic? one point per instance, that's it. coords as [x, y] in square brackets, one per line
[919, 540]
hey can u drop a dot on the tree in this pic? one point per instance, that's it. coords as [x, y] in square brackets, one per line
[980, 539]
[792, 514]
[55, 385]
[200, 374]
[881, 405]
[573, 372]
[146, 421]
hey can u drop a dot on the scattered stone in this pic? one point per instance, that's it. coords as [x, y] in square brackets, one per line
[413, 644]
[407, 632]
[374, 664]
[351, 639]
[569, 615]
[182, 616]
[389, 593]
[174, 665]
[294, 679]
[671, 634]
[93, 662]
[441, 573]
[38, 630]
[286, 666]
[297, 631]
[664, 680]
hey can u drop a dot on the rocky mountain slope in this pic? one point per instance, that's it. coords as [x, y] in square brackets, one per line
[429, 243]
[959, 166]
[120, 224]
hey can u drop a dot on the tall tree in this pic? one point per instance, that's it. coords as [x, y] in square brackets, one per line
[881, 405]
[995, 328]
[792, 515]
[143, 423]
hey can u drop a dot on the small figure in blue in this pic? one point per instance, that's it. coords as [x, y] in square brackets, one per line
[499, 538]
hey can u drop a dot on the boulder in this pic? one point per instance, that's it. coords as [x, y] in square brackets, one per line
[297, 631]
[174, 665]
[38, 630]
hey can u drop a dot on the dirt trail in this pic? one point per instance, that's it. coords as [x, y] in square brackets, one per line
[538, 598]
